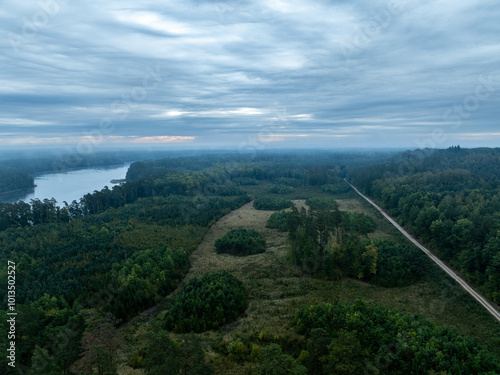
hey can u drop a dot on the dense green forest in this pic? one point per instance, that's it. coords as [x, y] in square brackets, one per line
[451, 200]
[11, 179]
[344, 340]
[106, 284]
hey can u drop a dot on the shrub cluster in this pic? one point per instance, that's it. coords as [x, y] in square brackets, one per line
[322, 203]
[241, 242]
[207, 302]
[272, 203]
[281, 189]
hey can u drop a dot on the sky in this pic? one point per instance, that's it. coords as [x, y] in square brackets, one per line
[250, 75]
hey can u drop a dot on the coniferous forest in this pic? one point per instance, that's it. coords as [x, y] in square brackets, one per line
[259, 264]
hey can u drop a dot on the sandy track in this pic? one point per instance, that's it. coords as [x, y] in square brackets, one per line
[492, 310]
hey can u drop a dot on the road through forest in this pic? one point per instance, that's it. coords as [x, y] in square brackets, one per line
[436, 260]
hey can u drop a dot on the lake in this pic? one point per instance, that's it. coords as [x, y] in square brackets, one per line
[69, 186]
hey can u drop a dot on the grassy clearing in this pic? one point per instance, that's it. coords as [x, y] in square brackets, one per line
[276, 294]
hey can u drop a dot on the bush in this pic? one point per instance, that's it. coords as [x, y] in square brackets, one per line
[272, 361]
[164, 356]
[241, 242]
[228, 191]
[272, 203]
[206, 303]
[322, 203]
[281, 189]
[340, 188]
[245, 181]
[293, 182]
[278, 221]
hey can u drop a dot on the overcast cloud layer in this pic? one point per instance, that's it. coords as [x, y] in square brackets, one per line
[250, 74]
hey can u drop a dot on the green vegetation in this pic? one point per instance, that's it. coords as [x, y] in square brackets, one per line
[278, 220]
[330, 243]
[322, 203]
[245, 181]
[165, 356]
[281, 189]
[272, 203]
[143, 254]
[293, 182]
[334, 244]
[344, 339]
[145, 278]
[338, 188]
[11, 179]
[273, 362]
[206, 303]
[241, 242]
[449, 199]
[398, 264]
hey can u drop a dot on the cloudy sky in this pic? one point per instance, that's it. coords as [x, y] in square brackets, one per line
[250, 74]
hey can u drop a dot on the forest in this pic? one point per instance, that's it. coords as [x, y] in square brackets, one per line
[257, 264]
[11, 180]
[450, 200]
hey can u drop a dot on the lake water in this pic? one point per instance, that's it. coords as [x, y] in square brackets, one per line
[69, 186]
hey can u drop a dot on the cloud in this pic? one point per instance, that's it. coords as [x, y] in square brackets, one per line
[163, 139]
[377, 73]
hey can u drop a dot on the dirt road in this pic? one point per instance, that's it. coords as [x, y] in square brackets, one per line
[436, 260]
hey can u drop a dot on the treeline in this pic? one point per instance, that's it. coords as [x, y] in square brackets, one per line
[451, 200]
[99, 262]
[286, 168]
[336, 338]
[62, 163]
[11, 179]
[359, 339]
[190, 184]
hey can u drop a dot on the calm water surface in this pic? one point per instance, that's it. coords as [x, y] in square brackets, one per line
[69, 186]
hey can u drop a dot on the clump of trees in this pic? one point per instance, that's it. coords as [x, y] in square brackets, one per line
[278, 220]
[166, 356]
[273, 361]
[398, 264]
[293, 182]
[334, 243]
[241, 242]
[245, 181]
[146, 278]
[322, 203]
[271, 203]
[343, 339]
[11, 179]
[338, 188]
[450, 200]
[330, 241]
[281, 189]
[228, 191]
[207, 302]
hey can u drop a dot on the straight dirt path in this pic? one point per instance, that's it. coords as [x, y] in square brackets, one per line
[436, 260]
